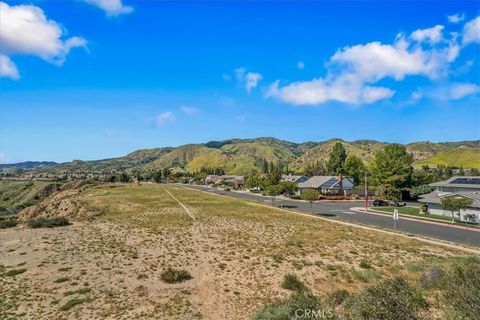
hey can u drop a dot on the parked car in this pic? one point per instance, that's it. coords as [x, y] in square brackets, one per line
[380, 203]
[388, 203]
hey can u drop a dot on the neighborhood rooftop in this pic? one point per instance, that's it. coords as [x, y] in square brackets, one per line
[459, 182]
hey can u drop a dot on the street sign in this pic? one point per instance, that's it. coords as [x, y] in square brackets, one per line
[395, 214]
[395, 218]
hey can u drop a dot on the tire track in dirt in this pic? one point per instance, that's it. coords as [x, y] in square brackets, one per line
[208, 298]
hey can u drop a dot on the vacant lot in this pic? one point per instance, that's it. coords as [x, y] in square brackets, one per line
[236, 254]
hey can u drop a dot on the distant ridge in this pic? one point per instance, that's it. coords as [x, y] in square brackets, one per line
[241, 156]
[28, 165]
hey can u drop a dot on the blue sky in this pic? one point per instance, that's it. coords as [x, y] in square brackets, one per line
[91, 79]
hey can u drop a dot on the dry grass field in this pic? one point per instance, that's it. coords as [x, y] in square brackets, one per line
[237, 253]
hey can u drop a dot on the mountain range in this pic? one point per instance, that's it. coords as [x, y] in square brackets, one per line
[240, 156]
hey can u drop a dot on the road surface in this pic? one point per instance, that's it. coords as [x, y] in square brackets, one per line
[341, 211]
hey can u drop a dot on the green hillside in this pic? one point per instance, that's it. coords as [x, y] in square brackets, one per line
[241, 156]
[462, 156]
[364, 149]
[16, 195]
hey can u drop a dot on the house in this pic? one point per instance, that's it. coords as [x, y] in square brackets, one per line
[293, 178]
[235, 181]
[459, 187]
[327, 184]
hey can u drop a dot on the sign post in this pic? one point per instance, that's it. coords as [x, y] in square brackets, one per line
[395, 218]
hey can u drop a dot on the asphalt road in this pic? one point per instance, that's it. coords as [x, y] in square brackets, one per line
[341, 211]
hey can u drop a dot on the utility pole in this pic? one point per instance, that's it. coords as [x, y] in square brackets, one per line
[366, 193]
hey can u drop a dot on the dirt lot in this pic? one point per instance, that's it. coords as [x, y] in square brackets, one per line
[236, 252]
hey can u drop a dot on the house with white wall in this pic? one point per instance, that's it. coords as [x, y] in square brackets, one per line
[458, 187]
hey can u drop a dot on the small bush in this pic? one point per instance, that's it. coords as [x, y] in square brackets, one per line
[337, 297]
[431, 277]
[8, 223]
[291, 282]
[60, 280]
[173, 276]
[288, 309]
[14, 272]
[71, 303]
[47, 222]
[387, 300]
[367, 275]
[365, 264]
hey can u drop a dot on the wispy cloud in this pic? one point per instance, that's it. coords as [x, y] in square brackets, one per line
[189, 110]
[249, 80]
[300, 65]
[240, 118]
[111, 7]
[164, 118]
[456, 18]
[3, 158]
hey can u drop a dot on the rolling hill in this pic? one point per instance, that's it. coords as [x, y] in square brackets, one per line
[459, 157]
[241, 156]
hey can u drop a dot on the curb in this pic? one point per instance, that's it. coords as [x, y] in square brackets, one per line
[407, 217]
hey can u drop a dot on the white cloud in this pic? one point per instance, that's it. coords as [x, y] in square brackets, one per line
[459, 90]
[7, 68]
[415, 96]
[456, 18]
[352, 71]
[164, 118]
[27, 31]
[3, 158]
[189, 110]
[251, 80]
[319, 91]
[111, 7]
[300, 65]
[471, 31]
[431, 35]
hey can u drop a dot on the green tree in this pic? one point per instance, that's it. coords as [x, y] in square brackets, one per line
[254, 180]
[354, 168]
[157, 176]
[337, 159]
[391, 168]
[310, 196]
[453, 204]
[419, 190]
[288, 187]
[273, 191]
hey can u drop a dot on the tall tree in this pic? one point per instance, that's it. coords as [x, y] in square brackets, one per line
[354, 168]
[392, 166]
[337, 159]
[454, 204]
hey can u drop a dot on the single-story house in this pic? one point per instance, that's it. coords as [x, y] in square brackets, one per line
[235, 181]
[293, 178]
[459, 187]
[327, 184]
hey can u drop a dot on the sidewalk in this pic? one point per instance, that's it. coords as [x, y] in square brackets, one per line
[407, 217]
